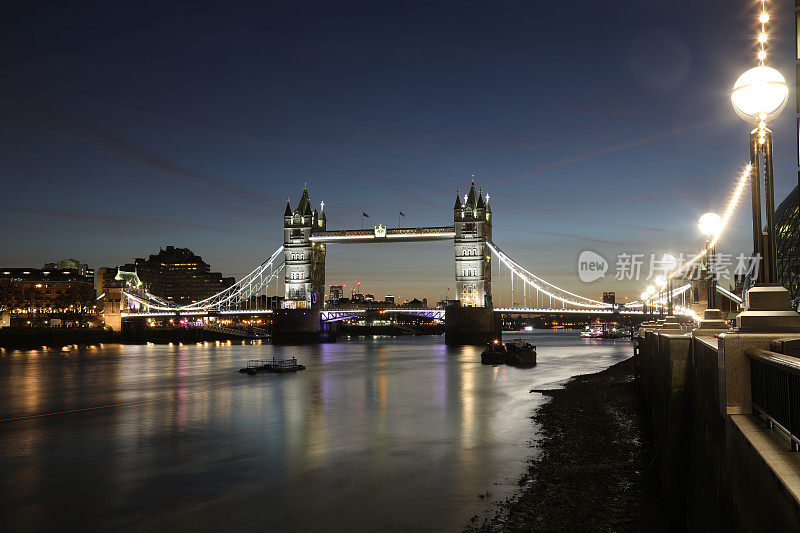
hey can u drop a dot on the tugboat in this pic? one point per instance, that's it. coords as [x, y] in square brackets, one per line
[521, 353]
[494, 354]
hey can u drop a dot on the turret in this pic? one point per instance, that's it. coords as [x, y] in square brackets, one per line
[304, 206]
[472, 200]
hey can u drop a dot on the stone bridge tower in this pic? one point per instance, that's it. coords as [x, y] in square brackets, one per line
[304, 274]
[473, 227]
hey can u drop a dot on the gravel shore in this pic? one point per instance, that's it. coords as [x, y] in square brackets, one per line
[596, 471]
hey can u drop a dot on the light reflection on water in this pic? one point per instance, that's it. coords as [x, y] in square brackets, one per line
[377, 434]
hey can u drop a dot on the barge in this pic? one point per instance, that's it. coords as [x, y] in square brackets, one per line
[274, 365]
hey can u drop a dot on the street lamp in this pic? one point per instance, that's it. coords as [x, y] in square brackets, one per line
[661, 282]
[670, 264]
[759, 95]
[644, 296]
[710, 225]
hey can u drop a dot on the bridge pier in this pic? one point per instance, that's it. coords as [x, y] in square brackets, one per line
[296, 326]
[471, 325]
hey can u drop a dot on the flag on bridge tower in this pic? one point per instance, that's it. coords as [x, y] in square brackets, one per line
[363, 214]
[398, 218]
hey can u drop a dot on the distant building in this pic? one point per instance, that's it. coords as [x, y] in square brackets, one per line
[610, 297]
[389, 299]
[70, 264]
[178, 275]
[415, 303]
[336, 293]
[369, 297]
[33, 290]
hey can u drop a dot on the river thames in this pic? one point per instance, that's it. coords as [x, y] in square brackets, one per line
[382, 434]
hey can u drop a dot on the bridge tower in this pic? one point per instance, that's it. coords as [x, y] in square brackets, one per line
[473, 227]
[473, 321]
[304, 275]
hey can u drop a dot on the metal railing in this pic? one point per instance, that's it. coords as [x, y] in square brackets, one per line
[775, 390]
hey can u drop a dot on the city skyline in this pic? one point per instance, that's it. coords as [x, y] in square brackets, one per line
[178, 132]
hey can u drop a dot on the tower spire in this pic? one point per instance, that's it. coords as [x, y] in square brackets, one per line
[472, 200]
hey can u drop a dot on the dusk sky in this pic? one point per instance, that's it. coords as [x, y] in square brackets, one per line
[604, 126]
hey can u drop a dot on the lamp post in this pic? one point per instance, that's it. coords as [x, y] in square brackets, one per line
[759, 95]
[670, 264]
[710, 225]
[644, 296]
[661, 282]
[650, 290]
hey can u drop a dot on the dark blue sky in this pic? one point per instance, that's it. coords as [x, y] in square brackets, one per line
[593, 125]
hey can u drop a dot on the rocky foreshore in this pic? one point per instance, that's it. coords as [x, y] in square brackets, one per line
[596, 470]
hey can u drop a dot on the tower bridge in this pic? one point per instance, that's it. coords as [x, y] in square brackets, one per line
[302, 261]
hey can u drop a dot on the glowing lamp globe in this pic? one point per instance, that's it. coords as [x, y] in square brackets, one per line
[651, 290]
[759, 94]
[644, 295]
[710, 224]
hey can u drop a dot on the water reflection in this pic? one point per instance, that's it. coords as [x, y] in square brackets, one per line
[375, 434]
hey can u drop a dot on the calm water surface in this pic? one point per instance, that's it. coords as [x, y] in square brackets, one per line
[389, 434]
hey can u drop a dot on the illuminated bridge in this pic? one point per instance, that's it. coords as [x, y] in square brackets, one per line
[300, 262]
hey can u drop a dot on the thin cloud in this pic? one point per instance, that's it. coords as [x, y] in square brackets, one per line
[573, 236]
[72, 125]
[74, 215]
[601, 151]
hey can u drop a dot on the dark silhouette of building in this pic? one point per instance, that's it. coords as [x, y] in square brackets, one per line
[787, 244]
[178, 275]
[70, 264]
[35, 291]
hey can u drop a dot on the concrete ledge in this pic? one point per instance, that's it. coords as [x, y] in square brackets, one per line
[765, 475]
[734, 368]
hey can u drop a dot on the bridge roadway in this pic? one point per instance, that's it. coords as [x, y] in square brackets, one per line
[560, 311]
[350, 236]
[334, 315]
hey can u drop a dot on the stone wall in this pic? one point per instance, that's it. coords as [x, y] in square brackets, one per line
[716, 476]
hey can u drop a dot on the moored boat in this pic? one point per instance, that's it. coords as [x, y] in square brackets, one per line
[517, 353]
[495, 353]
[520, 353]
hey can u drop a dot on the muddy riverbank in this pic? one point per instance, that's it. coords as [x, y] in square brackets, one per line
[596, 470]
